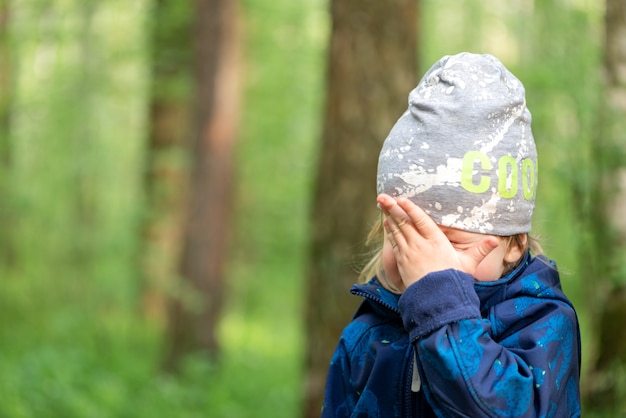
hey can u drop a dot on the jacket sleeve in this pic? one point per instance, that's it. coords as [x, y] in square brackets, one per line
[523, 361]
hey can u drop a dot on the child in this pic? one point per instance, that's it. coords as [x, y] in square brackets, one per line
[459, 319]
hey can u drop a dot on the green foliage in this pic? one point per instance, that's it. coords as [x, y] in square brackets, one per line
[74, 344]
[72, 341]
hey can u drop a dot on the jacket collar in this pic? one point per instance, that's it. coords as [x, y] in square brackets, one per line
[374, 290]
[489, 293]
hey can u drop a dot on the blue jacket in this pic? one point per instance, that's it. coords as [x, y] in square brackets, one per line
[451, 346]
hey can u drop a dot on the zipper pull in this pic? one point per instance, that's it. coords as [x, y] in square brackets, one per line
[416, 383]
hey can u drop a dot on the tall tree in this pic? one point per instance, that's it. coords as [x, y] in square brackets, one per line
[371, 68]
[194, 314]
[167, 152]
[610, 202]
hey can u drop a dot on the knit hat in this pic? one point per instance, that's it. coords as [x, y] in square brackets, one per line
[464, 150]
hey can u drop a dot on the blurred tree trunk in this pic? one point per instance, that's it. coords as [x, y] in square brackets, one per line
[7, 253]
[167, 152]
[372, 67]
[610, 202]
[195, 310]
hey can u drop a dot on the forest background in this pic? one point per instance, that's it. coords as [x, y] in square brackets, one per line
[76, 339]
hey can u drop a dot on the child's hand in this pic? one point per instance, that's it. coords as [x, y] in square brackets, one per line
[420, 247]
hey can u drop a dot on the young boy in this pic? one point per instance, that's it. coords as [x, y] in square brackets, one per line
[458, 318]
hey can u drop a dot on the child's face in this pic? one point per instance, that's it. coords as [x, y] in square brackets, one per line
[490, 268]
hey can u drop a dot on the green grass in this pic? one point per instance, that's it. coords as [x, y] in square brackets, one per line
[83, 362]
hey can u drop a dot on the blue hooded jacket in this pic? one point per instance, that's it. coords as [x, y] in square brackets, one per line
[451, 346]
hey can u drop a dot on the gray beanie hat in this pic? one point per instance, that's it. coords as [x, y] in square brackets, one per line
[464, 150]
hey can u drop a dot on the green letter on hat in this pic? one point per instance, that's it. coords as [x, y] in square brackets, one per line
[504, 163]
[467, 173]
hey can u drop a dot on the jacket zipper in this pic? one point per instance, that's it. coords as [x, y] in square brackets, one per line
[413, 387]
[412, 360]
[376, 299]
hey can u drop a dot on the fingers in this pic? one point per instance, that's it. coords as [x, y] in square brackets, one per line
[420, 246]
[422, 222]
[390, 235]
[472, 257]
[394, 232]
[404, 215]
[483, 248]
[390, 208]
[405, 212]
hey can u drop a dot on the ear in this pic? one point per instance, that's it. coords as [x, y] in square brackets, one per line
[516, 248]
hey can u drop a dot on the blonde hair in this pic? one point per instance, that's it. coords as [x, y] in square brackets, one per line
[376, 236]
[374, 266]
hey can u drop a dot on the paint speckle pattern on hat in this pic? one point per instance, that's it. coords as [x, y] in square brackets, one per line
[464, 150]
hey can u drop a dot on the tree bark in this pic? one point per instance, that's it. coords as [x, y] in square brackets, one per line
[615, 72]
[167, 154]
[194, 314]
[371, 68]
[610, 200]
